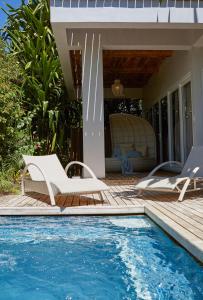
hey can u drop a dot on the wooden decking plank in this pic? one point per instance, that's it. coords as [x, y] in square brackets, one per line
[191, 208]
[187, 212]
[118, 199]
[90, 199]
[76, 201]
[194, 206]
[178, 220]
[122, 190]
[182, 215]
[7, 201]
[112, 197]
[29, 201]
[68, 201]
[105, 196]
[17, 201]
[132, 195]
[109, 198]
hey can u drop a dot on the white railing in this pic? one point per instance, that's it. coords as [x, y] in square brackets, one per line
[126, 3]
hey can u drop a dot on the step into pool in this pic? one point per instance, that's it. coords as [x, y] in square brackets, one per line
[49, 258]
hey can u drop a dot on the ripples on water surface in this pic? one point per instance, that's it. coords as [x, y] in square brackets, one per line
[47, 258]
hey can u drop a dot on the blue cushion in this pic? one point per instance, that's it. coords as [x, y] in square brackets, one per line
[134, 154]
[117, 151]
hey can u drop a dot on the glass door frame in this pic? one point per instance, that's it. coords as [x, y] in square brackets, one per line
[179, 88]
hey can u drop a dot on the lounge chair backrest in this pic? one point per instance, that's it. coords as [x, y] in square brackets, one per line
[130, 129]
[195, 159]
[49, 164]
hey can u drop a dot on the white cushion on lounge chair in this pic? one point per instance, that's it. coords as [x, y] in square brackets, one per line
[159, 183]
[195, 159]
[49, 164]
[75, 185]
[192, 170]
[47, 169]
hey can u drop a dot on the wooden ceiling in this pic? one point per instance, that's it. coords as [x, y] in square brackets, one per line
[133, 67]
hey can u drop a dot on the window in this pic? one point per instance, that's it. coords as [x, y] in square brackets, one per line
[187, 114]
[164, 129]
[156, 127]
[175, 114]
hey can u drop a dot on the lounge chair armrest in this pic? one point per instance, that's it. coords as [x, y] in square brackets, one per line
[163, 164]
[45, 179]
[81, 164]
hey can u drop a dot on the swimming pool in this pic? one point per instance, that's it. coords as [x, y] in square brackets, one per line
[49, 258]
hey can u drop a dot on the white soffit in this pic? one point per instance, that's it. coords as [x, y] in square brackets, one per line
[199, 15]
[103, 15]
[163, 15]
[181, 15]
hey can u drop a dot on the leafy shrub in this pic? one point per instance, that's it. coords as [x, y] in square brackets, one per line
[14, 134]
[30, 39]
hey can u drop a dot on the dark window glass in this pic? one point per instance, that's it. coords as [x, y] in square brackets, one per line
[155, 121]
[187, 110]
[164, 129]
[175, 125]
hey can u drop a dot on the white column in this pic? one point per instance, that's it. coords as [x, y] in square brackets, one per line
[197, 95]
[93, 102]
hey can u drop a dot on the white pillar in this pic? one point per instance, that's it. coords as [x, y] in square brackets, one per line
[197, 95]
[93, 102]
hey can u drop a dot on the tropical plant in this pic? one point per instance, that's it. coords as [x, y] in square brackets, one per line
[14, 134]
[29, 37]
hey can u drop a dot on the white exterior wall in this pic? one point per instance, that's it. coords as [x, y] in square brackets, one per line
[92, 95]
[171, 76]
[197, 95]
[172, 71]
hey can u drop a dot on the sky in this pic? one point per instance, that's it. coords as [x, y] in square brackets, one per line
[14, 3]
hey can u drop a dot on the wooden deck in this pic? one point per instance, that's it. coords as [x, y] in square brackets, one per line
[182, 220]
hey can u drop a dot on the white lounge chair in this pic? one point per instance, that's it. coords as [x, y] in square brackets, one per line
[48, 177]
[191, 173]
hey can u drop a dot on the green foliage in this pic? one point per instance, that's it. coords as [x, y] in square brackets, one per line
[35, 112]
[30, 39]
[14, 136]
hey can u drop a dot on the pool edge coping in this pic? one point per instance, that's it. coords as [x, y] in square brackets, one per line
[186, 239]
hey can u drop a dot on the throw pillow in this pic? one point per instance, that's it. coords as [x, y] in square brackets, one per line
[125, 148]
[142, 149]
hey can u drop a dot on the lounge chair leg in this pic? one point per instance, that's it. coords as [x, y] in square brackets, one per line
[195, 184]
[101, 196]
[52, 199]
[184, 189]
[140, 192]
[22, 188]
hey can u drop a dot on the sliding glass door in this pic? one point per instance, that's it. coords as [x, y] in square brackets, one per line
[175, 116]
[156, 126]
[187, 114]
[173, 124]
[164, 129]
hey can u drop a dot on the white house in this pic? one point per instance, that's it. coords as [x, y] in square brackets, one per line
[172, 94]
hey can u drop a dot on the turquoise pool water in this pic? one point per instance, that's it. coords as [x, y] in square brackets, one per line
[49, 258]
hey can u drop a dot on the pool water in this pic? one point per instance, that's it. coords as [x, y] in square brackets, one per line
[49, 258]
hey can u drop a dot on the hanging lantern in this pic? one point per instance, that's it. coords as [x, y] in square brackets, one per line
[117, 88]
